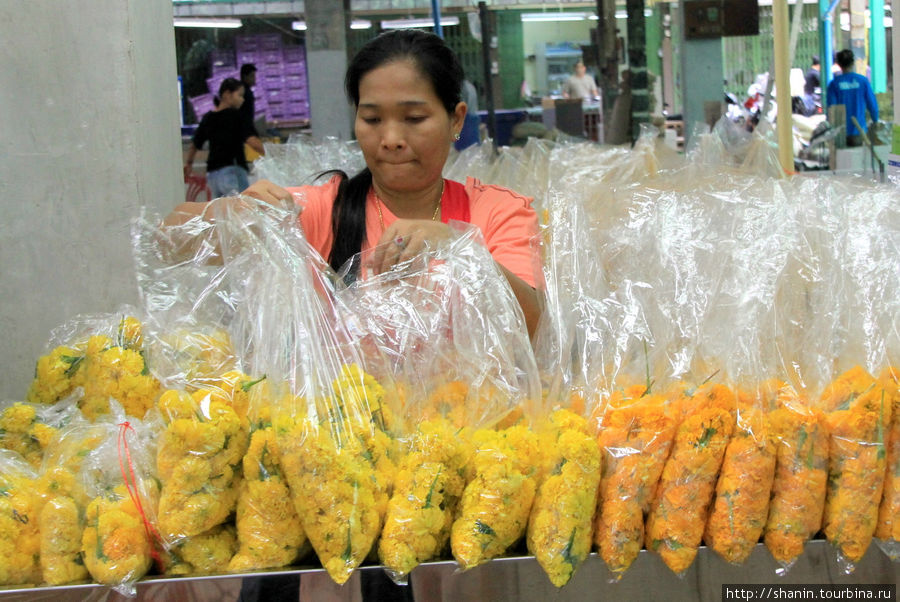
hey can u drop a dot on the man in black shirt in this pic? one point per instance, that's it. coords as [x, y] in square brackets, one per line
[248, 109]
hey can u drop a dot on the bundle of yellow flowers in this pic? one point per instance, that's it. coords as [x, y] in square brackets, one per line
[801, 465]
[205, 554]
[447, 402]
[115, 543]
[23, 431]
[741, 504]
[428, 485]
[198, 461]
[196, 355]
[19, 536]
[338, 466]
[55, 375]
[562, 516]
[858, 413]
[118, 371]
[496, 503]
[679, 509]
[888, 528]
[269, 531]
[61, 531]
[635, 437]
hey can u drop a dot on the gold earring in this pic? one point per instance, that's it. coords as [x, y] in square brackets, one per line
[456, 137]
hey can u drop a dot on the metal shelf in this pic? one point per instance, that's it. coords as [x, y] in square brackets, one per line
[511, 578]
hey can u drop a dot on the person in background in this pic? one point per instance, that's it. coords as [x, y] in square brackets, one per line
[405, 86]
[580, 84]
[227, 131]
[854, 92]
[248, 109]
[812, 87]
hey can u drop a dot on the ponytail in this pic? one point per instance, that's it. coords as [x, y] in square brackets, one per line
[348, 217]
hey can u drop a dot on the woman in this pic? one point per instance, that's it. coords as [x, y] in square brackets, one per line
[227, 131]
[405, 86]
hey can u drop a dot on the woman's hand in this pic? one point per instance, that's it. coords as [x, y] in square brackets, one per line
[268, 192]
[406, 238]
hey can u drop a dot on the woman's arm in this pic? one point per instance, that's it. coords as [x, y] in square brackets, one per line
[256, 144]
[189, 160]
[527, 297]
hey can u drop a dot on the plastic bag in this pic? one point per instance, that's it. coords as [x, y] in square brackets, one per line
[29, 428]
[103, 354]
[562, 515]
[679, 509]
[301, 158]
[208, 553]
[328, 417]
[19, 535]
[888, 528]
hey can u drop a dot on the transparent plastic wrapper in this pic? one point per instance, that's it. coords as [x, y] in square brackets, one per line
[120, 540]
[103, 355]
[635, 436]
[562, 515]
[199, 457]
[268, 529]
[29, 428]
[208, 553]
[857, 413]
[302, 157]
[455, 341]
[888, 528]
[19, 536]
[329, 414]
[679, 510]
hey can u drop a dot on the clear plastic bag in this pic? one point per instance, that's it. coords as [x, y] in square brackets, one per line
[19, 535]
[29, 428]
[301, 158]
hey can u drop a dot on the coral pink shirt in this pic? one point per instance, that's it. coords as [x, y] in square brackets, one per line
[506, 219]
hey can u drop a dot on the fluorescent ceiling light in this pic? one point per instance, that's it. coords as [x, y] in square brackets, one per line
[621, 14]
[544, 17]
[355, 24]
[223, 23]
[414, 23]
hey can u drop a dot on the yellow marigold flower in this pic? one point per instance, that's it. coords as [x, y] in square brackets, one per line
[269, 532]
[798, 490]
[54, 375]
[857, 427]
[888, 528]
[205, 554]
[561, 522]
[636, 434]
[429, 482]
[22, 431]
[19, 535]
[741, 505]
[496, 503]
[119, 373]
[61, 532]
[678, 513]
[130, 334]
[449, 402]
[114, 542]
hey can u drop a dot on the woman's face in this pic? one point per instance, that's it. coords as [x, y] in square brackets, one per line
[235, 98]
[402, 127]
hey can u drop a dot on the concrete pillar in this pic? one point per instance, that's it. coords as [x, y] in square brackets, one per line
[326, 59]
[702, 76]
[90, 121]
[859, 34]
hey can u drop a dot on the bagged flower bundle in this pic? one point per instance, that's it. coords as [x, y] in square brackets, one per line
[562, 515]
[496, 503]
[429, 483]
[801, 473]
[678, 512]
[206, 554]
[888, 528]
[19, 536]
[857, 412]
[104, 356]
[269, 532]
[28, 428]
[115, 544]
[739, 510]
[636, 433]
[199, 457]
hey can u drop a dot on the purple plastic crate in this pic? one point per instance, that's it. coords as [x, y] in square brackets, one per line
[295, 69]
[270, 57]
[222, 58]
[296, 96]
[295, 82]
[202, 105]
[294, 54]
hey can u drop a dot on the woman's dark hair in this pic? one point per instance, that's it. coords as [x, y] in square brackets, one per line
[440, 66]
[229, 84]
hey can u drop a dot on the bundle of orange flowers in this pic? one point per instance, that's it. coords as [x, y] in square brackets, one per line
[559, 529]
[888, 528]
[636, 432]
[679, 510]
[801, 464]
[738, 514]
[858, 413]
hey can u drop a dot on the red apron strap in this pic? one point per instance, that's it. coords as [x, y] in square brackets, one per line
[455, 203]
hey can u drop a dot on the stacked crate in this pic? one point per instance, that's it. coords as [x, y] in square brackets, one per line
[281, 90]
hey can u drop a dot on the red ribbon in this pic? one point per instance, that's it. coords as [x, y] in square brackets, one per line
[131, 485]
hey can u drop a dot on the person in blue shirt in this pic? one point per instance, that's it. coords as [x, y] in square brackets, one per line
[854, 92]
